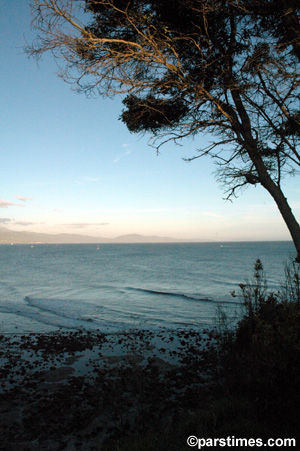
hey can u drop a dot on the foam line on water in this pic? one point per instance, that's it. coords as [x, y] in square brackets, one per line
[181, 295]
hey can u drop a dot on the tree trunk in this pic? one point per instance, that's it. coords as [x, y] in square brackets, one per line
[275, 191]
[287, 215]
[243, 129]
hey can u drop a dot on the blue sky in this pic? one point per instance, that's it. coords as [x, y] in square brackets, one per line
[68, 165]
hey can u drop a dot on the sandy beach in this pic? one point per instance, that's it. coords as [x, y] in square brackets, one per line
[82, 390]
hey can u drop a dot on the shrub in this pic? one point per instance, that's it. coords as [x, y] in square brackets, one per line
[261, 357]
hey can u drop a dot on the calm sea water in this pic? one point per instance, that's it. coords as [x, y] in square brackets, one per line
[122, 286]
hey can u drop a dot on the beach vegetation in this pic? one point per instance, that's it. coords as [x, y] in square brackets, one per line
[227, 70]
[260, 357]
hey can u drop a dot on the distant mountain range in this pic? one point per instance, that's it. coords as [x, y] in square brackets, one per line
[10, 236]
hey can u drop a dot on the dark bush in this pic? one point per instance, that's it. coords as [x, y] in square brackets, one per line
[261, 358]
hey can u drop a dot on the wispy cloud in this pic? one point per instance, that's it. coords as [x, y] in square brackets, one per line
[10, 221]
[91, 179]
[25, 224]
[5, 204]
[87, 179]
[84, 225]
[23, 198]
[127, 152]
[5, 220]
[127, 146]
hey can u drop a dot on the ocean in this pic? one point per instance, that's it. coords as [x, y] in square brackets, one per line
[119, 287]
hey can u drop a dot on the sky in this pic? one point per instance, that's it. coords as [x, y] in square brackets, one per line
[69, 165]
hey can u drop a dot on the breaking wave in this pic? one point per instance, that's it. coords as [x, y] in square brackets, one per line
[182, 295]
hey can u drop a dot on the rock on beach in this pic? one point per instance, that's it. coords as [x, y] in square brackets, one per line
[77, 390]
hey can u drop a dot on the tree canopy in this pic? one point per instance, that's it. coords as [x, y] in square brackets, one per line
[230, 68]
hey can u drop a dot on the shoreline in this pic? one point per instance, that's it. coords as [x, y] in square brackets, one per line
[170, 346]
[16, 323]
[87, 387]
